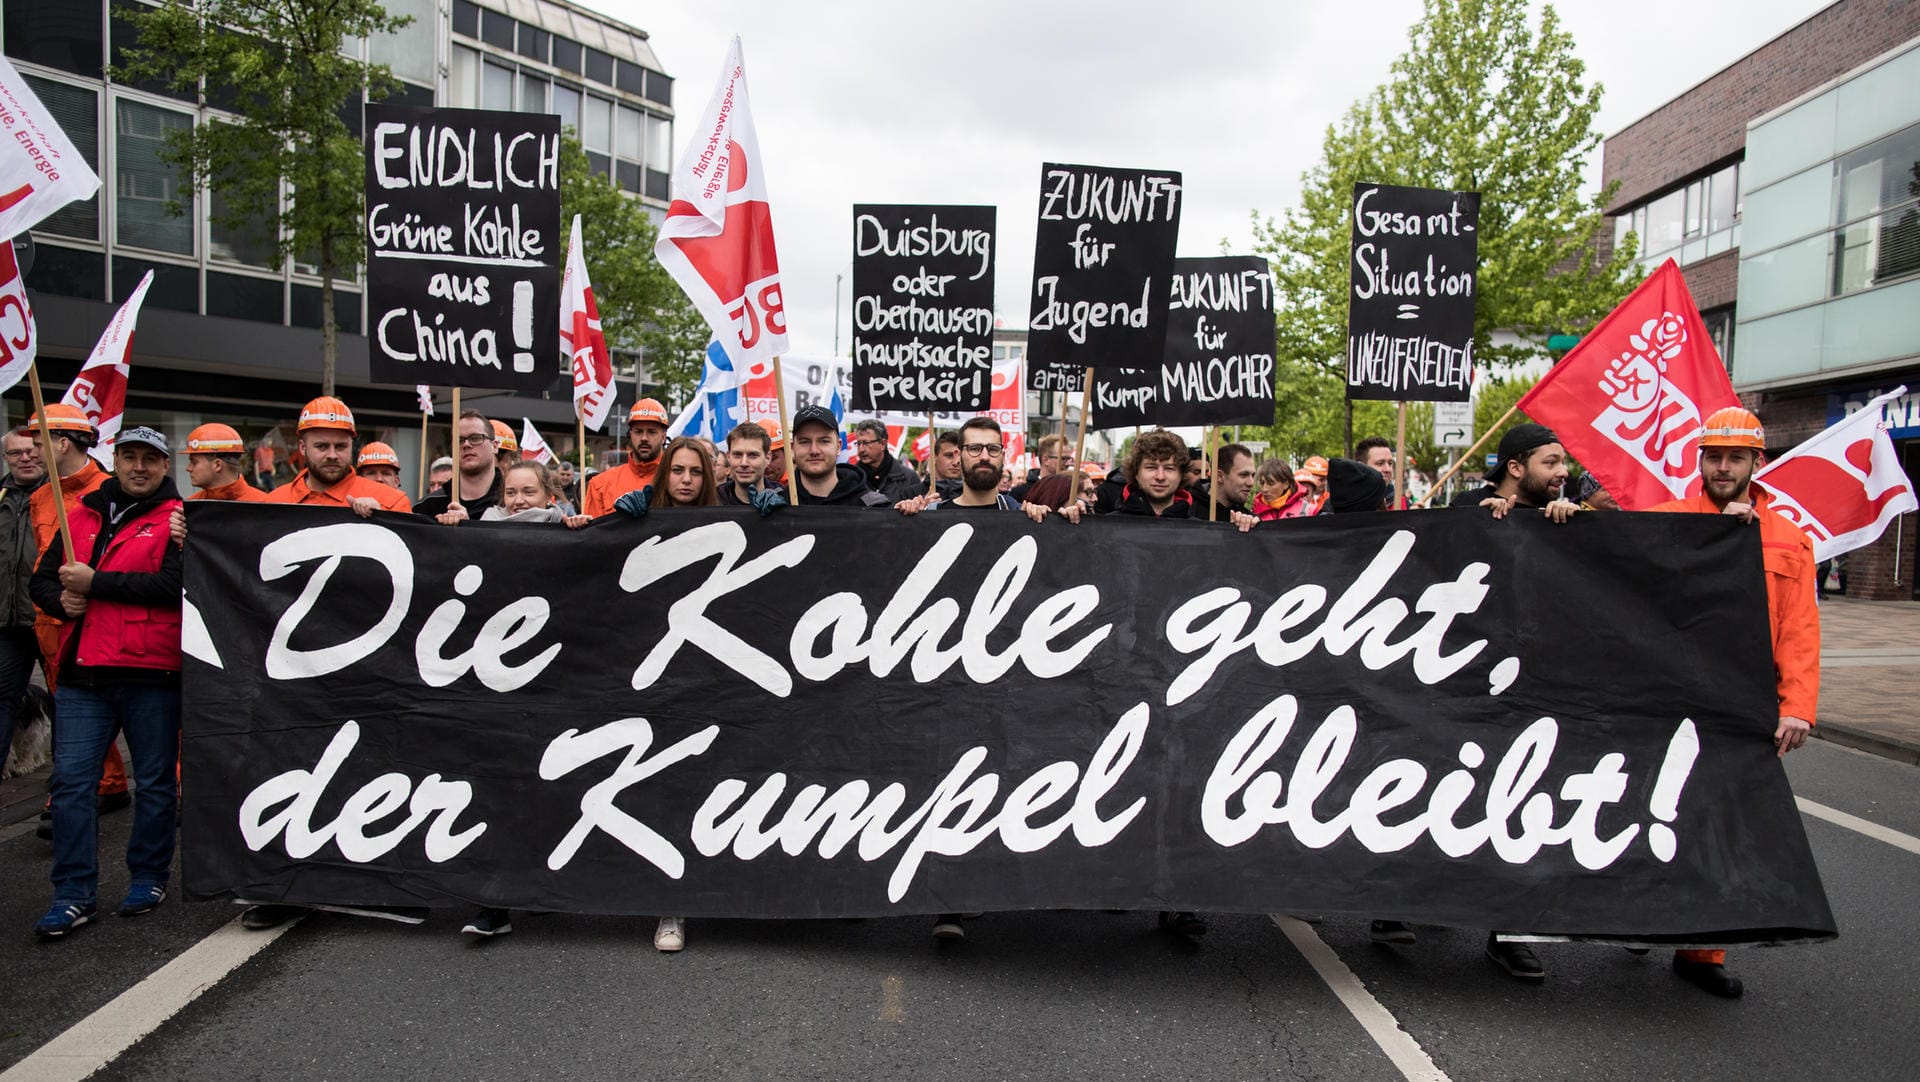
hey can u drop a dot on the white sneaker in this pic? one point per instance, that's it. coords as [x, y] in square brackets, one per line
[670, 935]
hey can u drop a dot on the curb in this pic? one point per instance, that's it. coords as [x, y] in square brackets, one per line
[1887, 747]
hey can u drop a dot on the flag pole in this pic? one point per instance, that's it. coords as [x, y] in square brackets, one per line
[1213, 480]
[1400, 459]
[580, 449]
[53, 463]
[1080, 441]
[933, 456]
[423, 456]
[786, 427]
[1455, 468]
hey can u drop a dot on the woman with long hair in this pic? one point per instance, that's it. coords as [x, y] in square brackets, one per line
[686, 476]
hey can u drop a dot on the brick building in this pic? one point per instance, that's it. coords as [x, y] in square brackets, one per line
[1787, 187]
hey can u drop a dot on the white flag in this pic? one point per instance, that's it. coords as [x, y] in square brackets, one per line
[40, 170]
[1842, 487]
[100, 388]
[426, 398]
[19, 338]
[532, 447]
[717, 239]
[581, 339]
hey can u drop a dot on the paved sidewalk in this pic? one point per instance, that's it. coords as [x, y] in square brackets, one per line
[1870, 676]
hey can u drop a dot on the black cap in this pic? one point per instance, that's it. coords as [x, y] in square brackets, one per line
[815, 414]
[1519, 440]
[1353, 487]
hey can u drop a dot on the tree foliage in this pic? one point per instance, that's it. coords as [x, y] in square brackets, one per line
[278, 66]
[1486, 98]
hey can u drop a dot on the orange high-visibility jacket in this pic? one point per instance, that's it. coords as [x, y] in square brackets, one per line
[1791, 605]
[234, 491]
[608, 486]
[296, 491]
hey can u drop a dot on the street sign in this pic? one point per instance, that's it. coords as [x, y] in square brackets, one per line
[1256, 446]
[1453, 424]
[1493, 459]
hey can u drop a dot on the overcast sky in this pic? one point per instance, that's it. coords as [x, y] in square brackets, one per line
[862, 101]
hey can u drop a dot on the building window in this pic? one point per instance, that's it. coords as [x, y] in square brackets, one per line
[1699, 219]
[533, 93]
[496, 30]
[466, 18]
[240, 296]
[566, 103]
[659, 143]
[600, 67]
[496, 87]
[463, 79]
[76, 110]
[533, 42]
[249, 243]
[659, 88]
[627, 132]
[1877, 210]
[409, 50]
[1719, 323]
[567, 54]
[596, 125]
[144, 186]
[62, 34]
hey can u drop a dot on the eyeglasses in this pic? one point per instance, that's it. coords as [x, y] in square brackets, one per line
[474, 441]
[990, 450]
[23, 452]
[867, 443]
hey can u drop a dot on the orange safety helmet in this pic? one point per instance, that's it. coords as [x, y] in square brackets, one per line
[1315, 467]
[377, 454]
[503, 436]
[215, 439]
[326, 412]
[1734, 426]
[647, 409]
[64, 418]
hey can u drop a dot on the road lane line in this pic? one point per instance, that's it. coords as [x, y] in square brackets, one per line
[1862, 826]
[1405, 1052]
[102, 1036]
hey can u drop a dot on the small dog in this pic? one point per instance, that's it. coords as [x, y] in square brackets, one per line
[32, 734]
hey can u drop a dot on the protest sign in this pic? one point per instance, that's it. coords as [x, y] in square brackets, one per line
[825, 713]
[1410, 311]
[1219, 360]
[1102, 255]
[463, 247]
[922, 307]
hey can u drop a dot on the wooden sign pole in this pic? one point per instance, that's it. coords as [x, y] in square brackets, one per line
[786, 426]
[1080, 441]
[1213, 479]
[1400, 459]
[53, 464]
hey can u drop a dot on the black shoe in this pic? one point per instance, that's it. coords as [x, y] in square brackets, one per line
[1714, 978]
[1186, 924]
[1391, 931]
[947, 928]
[108, 803]
[262, 917]
[1516, 958]
[490, 922]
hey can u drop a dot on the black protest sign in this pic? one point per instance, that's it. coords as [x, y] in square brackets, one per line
[463, 247]
[1219, 362]
[1102, 255]
[1410, 307]
[922, 308]
[824, 713]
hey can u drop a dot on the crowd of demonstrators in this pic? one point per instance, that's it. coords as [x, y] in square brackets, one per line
[884, 473]
[646, 436]
[325, 434]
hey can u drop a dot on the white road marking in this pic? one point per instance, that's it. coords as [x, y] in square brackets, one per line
[100, 1037]
[1405, 1052]
[7, 834]
[1861, 826]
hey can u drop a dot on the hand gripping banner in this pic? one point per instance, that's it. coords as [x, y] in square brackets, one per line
[831, 713]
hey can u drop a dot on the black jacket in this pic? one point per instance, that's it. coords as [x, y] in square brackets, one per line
[16, 554]
[437, 503]
[849, 490]
[893, 479]
[1134, 502]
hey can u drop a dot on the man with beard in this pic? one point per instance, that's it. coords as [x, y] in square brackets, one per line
[823, 478]
[476, 486]
[646, 435]
[1732, 449]
[885, 474]
[325, 435]
[1529, 472]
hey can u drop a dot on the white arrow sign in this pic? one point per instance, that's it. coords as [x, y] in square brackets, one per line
[1453, 424]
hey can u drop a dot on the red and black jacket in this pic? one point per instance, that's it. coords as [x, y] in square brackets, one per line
[131, 629]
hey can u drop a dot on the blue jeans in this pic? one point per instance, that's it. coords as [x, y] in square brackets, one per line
[89, 718]
[18, 655]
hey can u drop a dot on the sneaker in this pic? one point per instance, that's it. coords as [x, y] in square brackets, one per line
[948, 927]
[259, 918]
[108, 803]
[143, 898]
[1187, 924]
[670, 935]
[1516, 958]
[1391, 931]
[490, 922]
[64, 917]
[1708, 975]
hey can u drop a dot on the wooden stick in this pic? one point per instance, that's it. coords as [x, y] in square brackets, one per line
[933, 456]
[1080, 441]
[423, 456]
[1400, 460]
[53, 463]
[1464, 459]
[580, 449]
[786, 426]
[1213, 477]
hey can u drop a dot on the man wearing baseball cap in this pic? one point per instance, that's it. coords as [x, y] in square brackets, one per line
[213, 465]
[379, 464]
[1733, 447]
[326, 434]
[1529, 472]
[646, 435]
[120, 673]
[823, 478]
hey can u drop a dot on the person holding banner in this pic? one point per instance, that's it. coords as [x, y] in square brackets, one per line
[1529, 472]
[1733, 447]
[379, 464]
[1233, 475]
[646, 432]
[476, 487]
[885, 474]
[1276, 494]
[747, 451]
[823, 478]
[326, 433]
[214, 456]
[120, 649]
[689, 480]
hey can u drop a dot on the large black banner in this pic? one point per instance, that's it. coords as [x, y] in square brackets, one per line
[1219, 361]
[922, 308]
[1410, 309]
[1102, 255]
[1434, 717]
[463, 247]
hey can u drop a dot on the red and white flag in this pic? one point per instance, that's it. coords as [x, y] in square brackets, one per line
[717, 239]
[426, 398]
[1630, 400]
[582, 340]
[100, 388]
[40, 171]
[1843, 486]
[19, 338]
[532, 447]
[923, 446]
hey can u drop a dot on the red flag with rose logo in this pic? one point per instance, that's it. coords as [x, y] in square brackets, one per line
[717, 239]
[1630, 400]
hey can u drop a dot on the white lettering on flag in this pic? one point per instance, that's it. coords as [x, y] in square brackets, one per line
[100, 388]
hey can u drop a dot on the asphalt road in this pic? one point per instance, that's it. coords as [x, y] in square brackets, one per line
[1029, 995]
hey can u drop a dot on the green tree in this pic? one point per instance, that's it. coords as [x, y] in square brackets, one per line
[279, 67]
[642, 309]
[1485, 99]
